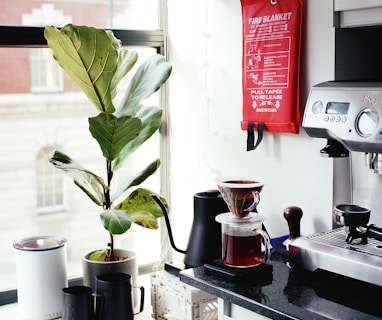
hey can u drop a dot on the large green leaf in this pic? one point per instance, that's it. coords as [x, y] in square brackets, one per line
[89, 56]
[115, 221]
[139, 207]
[151, 118]
[89, 182]
[126, 60]
[149, 77]
[140, 202]
[136, 179]
[113, 133]
[144, 219]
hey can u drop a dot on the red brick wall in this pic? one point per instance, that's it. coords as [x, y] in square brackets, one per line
[15, 62]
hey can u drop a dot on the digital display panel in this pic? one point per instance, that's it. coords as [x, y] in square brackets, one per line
[337, 107]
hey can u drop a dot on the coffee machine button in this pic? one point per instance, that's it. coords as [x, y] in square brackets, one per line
[317, 107]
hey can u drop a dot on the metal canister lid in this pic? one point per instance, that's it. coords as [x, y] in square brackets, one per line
[41, 243]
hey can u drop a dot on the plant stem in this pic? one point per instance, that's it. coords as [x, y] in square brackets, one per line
[109, 177]
[108, 207]
[111, 244]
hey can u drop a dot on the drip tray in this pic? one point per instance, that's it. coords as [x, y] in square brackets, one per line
[261, 274]
[329, 251]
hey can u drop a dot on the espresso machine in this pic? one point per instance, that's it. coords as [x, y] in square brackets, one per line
[348, 115]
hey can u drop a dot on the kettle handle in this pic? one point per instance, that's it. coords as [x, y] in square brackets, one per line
[166, 218]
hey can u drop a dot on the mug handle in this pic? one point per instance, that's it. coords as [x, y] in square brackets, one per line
[266, 242]
[142, 299]
[99, 302]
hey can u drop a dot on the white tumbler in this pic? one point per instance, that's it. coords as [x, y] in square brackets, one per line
[41, 275]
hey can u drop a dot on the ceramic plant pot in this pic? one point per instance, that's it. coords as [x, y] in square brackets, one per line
[91, 269]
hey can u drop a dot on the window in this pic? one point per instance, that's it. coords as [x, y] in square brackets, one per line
[40, 108]
[46, 75]
[50, 191]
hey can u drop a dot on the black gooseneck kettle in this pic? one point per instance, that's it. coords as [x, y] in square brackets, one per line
[204, 244]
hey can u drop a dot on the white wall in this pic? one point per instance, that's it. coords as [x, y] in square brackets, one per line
[205, 45]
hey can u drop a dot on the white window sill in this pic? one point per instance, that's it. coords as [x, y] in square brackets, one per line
[10, 311]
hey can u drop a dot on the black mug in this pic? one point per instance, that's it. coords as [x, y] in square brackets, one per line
[116, 291]
[78, 303]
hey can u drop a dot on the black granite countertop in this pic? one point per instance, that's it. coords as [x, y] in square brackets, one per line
[291, 294]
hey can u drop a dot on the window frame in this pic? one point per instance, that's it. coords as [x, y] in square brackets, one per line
[33, 37]
[21, 36]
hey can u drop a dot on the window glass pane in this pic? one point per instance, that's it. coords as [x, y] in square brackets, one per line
[46, 75]
[118, 14]
[35, 201]
[49, 184]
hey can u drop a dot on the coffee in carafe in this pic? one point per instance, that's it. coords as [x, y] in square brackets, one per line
[242, 251]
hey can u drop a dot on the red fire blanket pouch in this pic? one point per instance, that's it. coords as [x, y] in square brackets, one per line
[271, 67]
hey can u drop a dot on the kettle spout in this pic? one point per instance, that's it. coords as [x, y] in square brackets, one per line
[167, 220]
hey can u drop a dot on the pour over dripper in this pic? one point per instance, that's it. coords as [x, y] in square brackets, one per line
[241, 195]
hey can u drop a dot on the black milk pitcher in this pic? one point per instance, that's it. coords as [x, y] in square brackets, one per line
[78, 303]
[117, 296]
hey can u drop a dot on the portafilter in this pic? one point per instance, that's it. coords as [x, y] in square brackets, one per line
[355, 218]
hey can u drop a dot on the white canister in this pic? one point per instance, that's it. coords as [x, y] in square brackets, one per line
[41, 275]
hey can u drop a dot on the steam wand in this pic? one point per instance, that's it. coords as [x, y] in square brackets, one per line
[166, 218]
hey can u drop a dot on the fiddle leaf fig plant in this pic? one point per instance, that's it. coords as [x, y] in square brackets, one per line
[97, 62]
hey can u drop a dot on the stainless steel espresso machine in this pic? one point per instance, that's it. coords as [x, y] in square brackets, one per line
[349, 115]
